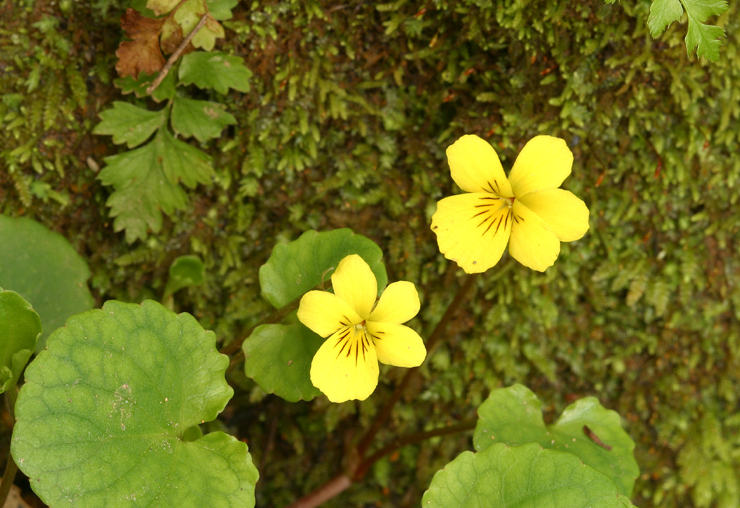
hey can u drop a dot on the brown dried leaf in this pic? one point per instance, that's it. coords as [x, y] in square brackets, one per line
[142, 54]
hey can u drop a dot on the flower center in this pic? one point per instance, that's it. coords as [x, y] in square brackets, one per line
[360, 327]
[509, 202]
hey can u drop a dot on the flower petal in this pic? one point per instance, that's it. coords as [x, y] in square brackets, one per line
[475, 166]
[472, 230]
[532, 243]
[543, 163]
[346, 367]
[563, 213]
[397, 344]
[325, 313]
[354, 282]
[398, 303]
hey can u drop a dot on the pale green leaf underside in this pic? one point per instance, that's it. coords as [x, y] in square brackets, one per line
[146, 182]
[523, 477]
[44, 269]
[201, 119]
[104, 409]
[221, 9]
[299, 266]
[278, 358]
[215, 70]
[185, 271]
[513, 416]
[129, 124]
[20, 327]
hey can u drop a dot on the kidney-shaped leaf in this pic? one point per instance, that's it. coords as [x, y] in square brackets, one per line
[20, 327]
[105, 409]
[586, 429]
[185, 271]
[43, 267]
[278, 358]
[523, 476]
[300, 265]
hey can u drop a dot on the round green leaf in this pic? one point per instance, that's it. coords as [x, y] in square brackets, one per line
[586, 429]
[185, 271]
[278, 358]
[106, 408]
[299, 266]
[20, 327]
[43, 267]
[525, 476]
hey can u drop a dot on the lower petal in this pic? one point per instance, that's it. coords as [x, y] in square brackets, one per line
[346, 367]
[562, 211]
[472, 230]
[397, 344]
[532, 243]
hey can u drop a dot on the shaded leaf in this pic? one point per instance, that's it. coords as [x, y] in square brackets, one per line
[165, 90]
[300, 265]
[129, 124]
[202, 119]
[185, 271]
[142, 53]
[161, 6]
[278, 358]
[523, 476]
[221, 9]
[43, 268]
[703, 38]
[215, 70]
[513, 416]
[20, 328]
[104, 411]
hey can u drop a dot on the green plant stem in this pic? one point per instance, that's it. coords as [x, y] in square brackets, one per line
[174, 56]
[342, 482]
[11, 468]
[436, 335]
[234, 346]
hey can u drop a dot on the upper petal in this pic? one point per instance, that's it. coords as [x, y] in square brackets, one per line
[325, 313]
[543, 163]
[354, 282]
[397, 344]
[346, 367]
[398, 303]
[472, 230]
[475, 166]
[563, 213]
[532, 243]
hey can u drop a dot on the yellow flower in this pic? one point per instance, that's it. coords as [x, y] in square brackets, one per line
[359, 336]
[527, 210]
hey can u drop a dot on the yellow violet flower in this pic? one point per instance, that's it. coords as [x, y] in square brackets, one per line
[360, 333]
[527, 211]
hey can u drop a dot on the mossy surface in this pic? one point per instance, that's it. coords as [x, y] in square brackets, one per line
[352, 105]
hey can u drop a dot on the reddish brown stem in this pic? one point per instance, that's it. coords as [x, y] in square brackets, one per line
[436, 335]
[327, 491]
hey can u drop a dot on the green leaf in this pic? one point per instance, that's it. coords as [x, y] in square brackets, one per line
[185, 271]
[129, 124]
[523, 477]
[221, 9]
[105, 409]
[20, 328]
[202, 119]
[278, 358]
[215, 70]
[146, 181]
[165, 90]
[44, 269]
[300, 265]
[662, 14]
[705, 38]
[513, 416]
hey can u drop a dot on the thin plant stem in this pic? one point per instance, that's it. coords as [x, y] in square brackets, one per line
[174, 56]
[234, 346]
[11, 468]
[436, 335]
